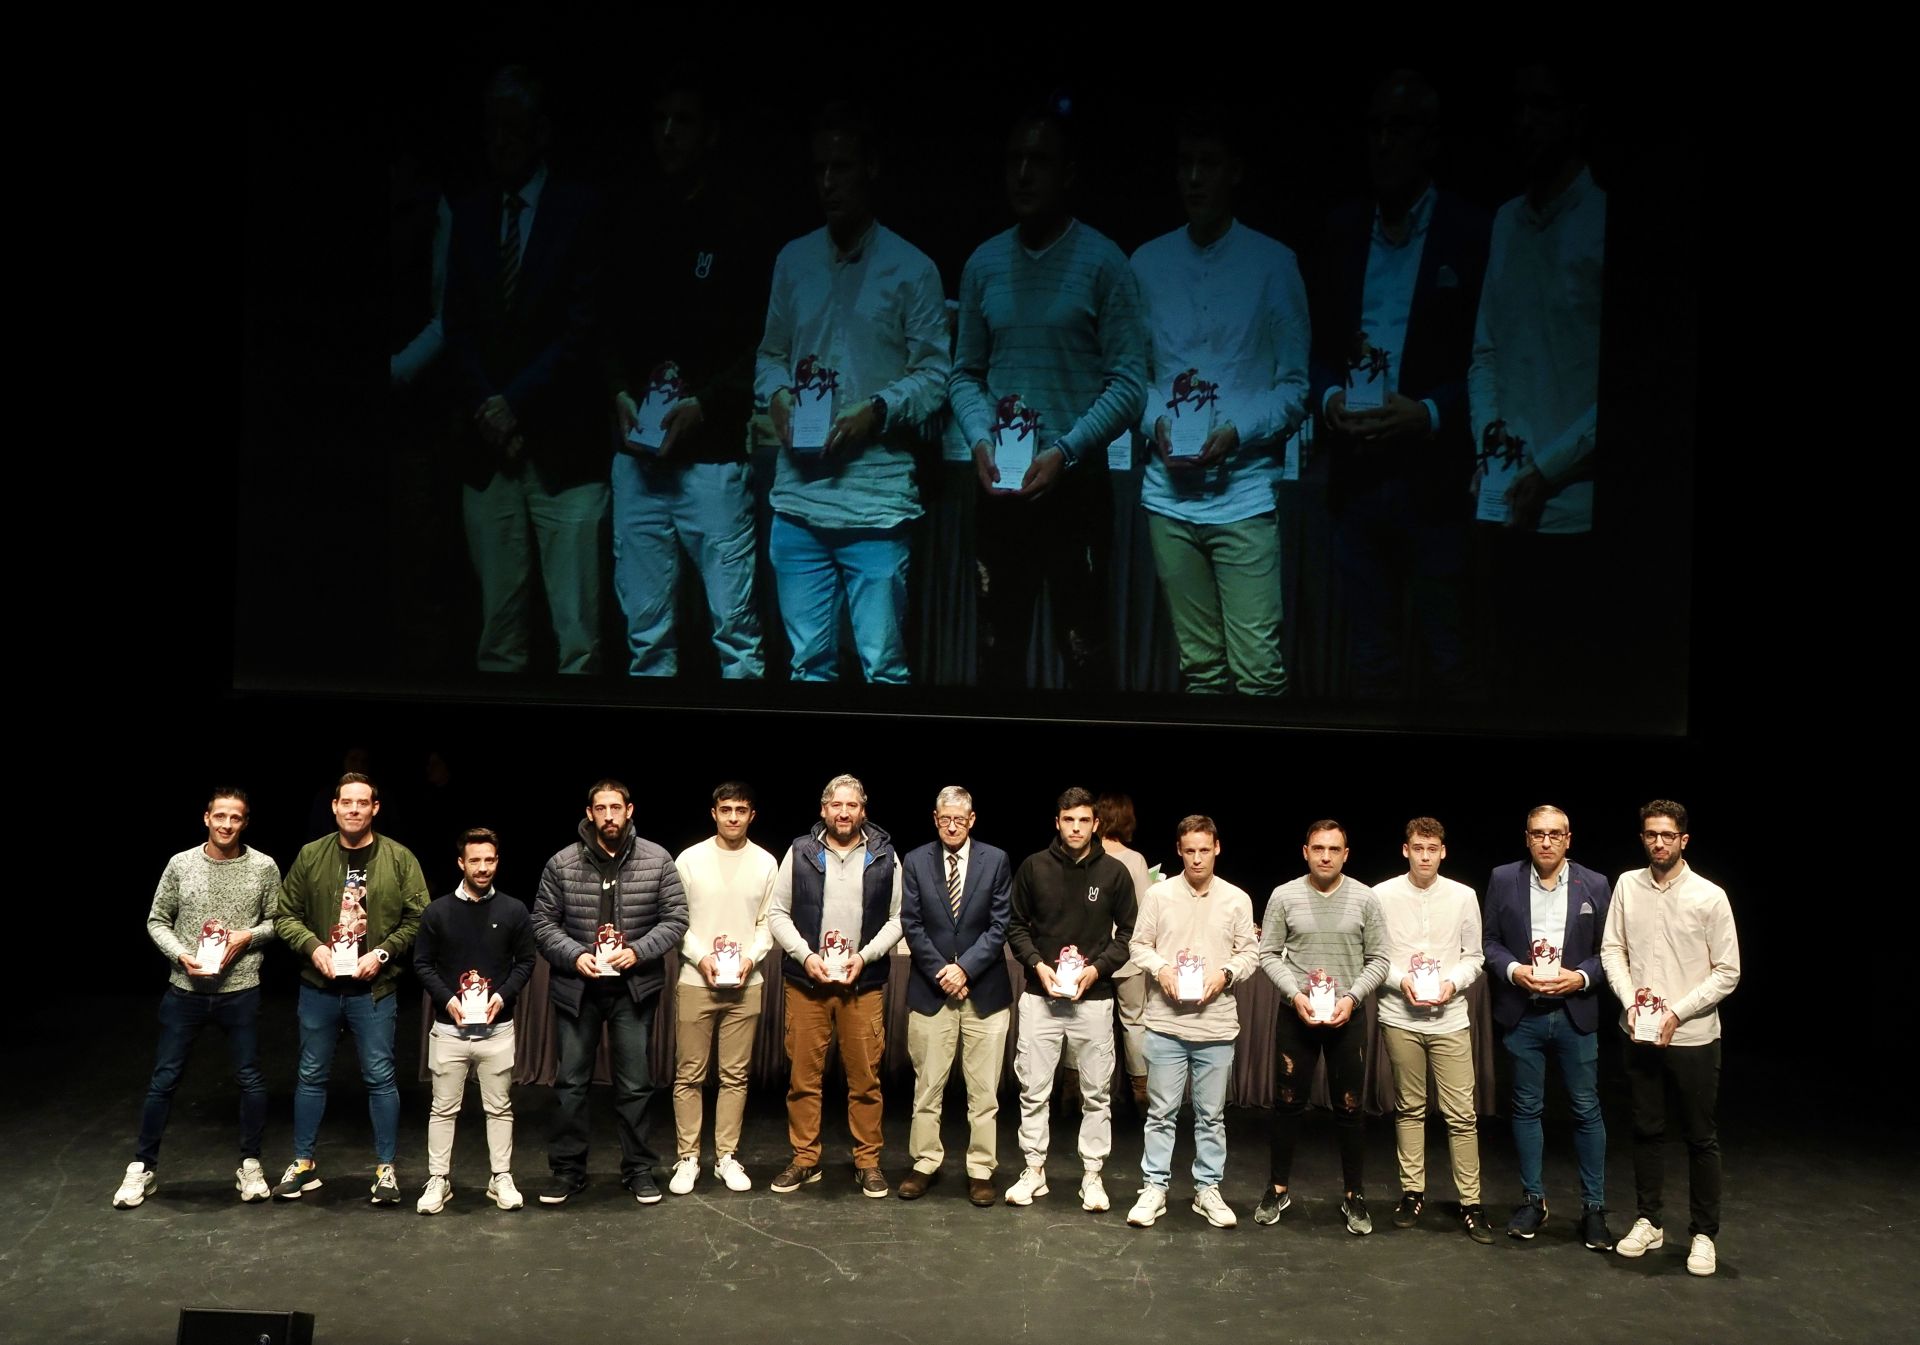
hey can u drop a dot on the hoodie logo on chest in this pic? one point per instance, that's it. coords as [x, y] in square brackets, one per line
[702, 266]
[1093, 894]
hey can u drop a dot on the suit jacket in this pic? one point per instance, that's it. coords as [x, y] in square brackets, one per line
[540, 355]
[1435, 355]
[1507, 924]
[977, 941]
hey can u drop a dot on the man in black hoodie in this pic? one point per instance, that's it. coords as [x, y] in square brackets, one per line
[1070, 896]
[609, 876]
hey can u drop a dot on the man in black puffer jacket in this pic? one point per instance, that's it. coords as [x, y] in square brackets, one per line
[608, 877]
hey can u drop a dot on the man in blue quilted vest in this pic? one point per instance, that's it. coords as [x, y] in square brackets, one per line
[609, 876]
[836, 915]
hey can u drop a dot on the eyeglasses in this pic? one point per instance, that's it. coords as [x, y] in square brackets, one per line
[1554, 836]
[1657, 837]
[951, 822]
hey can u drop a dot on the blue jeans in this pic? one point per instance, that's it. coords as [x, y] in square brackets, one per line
[629, 1041]
[817, 572]
[1170, 1061]
[182, 1014]
[321, 1017]
[1529, 1042]
[705, 508]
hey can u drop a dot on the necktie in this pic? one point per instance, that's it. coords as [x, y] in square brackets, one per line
[953, 886]
[510, 252]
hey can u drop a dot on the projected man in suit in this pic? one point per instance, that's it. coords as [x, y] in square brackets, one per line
[1400, 274]
[1543, 922]
[519, 315]
[954, 903]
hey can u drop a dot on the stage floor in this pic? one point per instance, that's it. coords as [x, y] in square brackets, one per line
[1819, 1242]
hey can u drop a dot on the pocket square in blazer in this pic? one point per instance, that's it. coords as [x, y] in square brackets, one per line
[1445, 278]
[1586, 908]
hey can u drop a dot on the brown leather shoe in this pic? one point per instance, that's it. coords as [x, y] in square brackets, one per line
[915, 1184]
[980, 1191]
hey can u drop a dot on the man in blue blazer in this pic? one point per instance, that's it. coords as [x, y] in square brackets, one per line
[1542, 926]
[1403, 269]
[954, 901]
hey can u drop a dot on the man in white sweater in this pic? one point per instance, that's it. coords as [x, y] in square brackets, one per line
[1670, 950]
[1194, 939]
[729, 883]
[1435, 953]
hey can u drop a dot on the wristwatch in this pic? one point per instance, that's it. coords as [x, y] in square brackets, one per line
[1228, 973]
[879, 405]
[1067, 458]
[380, 953]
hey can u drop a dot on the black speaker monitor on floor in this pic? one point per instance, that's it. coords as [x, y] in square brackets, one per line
[241, 1326]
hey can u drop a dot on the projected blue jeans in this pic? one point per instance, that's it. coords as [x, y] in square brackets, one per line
[818, 572]
[705, 509]
[322, 1015]
[1530, 1041]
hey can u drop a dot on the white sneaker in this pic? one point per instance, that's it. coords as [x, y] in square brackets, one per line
[502, 1192]
[1093, 1193]
[1642, 1238]
[434, 1198]
[1149, 1207]
[138, 1184]
[250, 1180]
[727, 1168]
[1701, 1258]
[685, 1171]
[1208, 1204]
[1033, 1182]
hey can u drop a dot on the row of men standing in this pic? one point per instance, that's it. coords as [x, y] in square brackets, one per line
[616, 916]
[1058, 357]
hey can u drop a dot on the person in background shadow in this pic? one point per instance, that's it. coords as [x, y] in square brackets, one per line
[687, 275]
[1399, 274]
[519, 312]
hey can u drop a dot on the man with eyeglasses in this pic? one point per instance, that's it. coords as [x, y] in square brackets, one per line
[1670, 932]
[954, 902]
[1546, 1001]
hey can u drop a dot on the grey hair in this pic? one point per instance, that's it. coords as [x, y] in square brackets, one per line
[953, 796]
[843, 782]
[1537, 809]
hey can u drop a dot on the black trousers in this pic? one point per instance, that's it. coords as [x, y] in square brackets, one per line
[1296, 1046]
[1690, 1077]
[629, 1038]
[1059, 541]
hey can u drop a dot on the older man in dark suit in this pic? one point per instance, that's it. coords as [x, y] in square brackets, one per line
[1543, 922]
[519, 314]
[954, 903]
[1396, 286]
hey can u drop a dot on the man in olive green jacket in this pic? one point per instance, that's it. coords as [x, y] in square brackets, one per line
[350, 907]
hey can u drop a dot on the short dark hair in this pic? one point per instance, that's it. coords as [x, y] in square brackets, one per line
[1427, 826]
[1115, 812]
[1055, 110]
[1214, 120]
[522, 84]
[1073, 798]
[1193, 822]
[844, 117]
[476, 836]
[606, 785]
[1326, 824]
[356, 778]
[733, 789]
[1665, 808]
[230, 792]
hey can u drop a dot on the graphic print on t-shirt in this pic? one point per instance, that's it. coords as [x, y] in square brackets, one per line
[353, 899]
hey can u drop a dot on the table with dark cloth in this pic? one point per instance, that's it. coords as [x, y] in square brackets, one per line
[536, 1055]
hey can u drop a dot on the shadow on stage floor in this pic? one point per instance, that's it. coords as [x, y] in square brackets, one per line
[1818, 1241]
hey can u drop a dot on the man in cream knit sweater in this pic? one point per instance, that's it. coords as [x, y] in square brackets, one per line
[728, 881]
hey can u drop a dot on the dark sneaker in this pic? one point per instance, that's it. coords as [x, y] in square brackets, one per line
[1359, 1222]
[643, 1188]
[792, 1177]
[386, 1186]
[1272, 1205]
[870, 1182]
[564, 1187]
[1528, 1218]
[296, 1181]
[1475, 1218]
[1407, 1213]
[1594, 1231]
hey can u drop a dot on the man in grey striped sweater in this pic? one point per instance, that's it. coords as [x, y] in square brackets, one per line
[1048, 370]
[1321, 924]
[216, 979]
